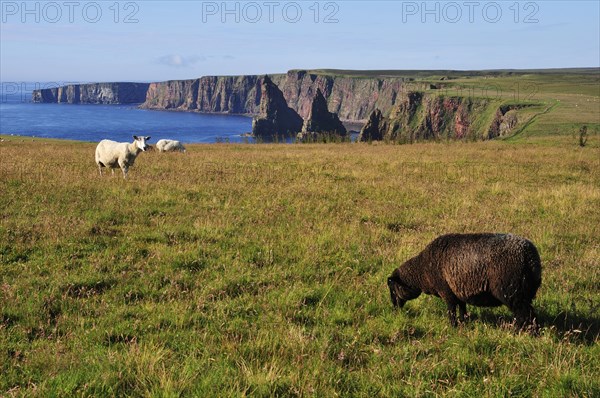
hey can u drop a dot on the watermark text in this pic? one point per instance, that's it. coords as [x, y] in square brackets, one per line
[470, 11]
[69, 12]
[270, 12]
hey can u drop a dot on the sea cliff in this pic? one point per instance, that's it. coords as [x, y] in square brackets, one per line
[393, 108]
[352, 98]
[94, 93]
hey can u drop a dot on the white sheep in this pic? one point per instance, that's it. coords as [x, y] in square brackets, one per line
[119, 154]
[169, 146]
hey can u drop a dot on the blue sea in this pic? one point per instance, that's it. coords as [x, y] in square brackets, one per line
[19, 116]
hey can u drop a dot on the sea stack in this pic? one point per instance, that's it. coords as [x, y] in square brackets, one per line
[320, 120]
[276, 118]
[375, 128]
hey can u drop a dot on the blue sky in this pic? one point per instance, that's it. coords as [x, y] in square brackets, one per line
[87, 41]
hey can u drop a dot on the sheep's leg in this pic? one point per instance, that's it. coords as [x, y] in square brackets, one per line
[462, 306]
[124, 167]
[451, 302]
[452, 313]
[100, 170]
[525, 315]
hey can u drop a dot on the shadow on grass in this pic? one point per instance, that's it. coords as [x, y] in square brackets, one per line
[571, 326]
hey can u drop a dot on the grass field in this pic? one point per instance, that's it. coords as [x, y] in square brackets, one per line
[563, 101]
[261, 270]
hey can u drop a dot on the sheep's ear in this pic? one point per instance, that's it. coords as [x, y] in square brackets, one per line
[148, 138]
[135, 137]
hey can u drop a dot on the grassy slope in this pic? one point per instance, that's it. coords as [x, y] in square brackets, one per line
[572, 100]
[260, 270]
[571, 95]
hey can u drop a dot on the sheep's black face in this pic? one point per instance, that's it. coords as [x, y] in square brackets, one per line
[398, 299]
[400, 292]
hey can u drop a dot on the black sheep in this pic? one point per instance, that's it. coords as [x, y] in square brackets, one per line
[485, 270]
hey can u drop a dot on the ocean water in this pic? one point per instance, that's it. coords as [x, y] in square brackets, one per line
[19, 116]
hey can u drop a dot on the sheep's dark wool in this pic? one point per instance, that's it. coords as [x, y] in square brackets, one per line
[485, 270]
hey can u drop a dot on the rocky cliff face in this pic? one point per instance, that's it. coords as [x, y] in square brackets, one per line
[504, 121]
[94, 93]
[210, 94]
[320, 120]
[375, 128]
[351, 98]
[275, 118]
[173, 94]
[418, 116]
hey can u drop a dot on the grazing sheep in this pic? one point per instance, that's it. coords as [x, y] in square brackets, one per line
[169, 146]
[485, 270]
[119, 154]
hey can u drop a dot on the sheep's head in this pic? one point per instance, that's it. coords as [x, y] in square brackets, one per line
[140, 142]
[400, 292]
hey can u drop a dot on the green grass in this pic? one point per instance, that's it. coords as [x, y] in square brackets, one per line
[456, 74]
[572, 99]
[261, 270]
[559, 101]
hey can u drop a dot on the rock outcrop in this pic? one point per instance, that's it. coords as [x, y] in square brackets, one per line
[504, 122]
[276, 118]
[320, 120]
[94, 93]
[375, 129]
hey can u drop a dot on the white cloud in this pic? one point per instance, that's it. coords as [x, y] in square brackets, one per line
[179, 61]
